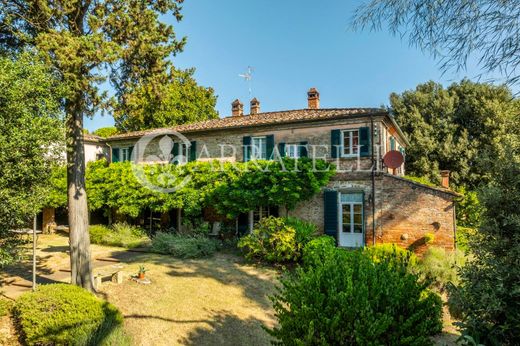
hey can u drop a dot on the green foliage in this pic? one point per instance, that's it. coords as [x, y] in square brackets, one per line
[317, 250]
[468, 210]
[57, 189]
[5, 306]
[456, 128]
[391, 252]
[230, 188]
[183, 246]
[421, 180]
[441, 267]
[429, 238]
[277, 240]
[105, 131]
[182, 101]
[120, 234]
[348, 299]
[464, 235]
[305, 231]
[64, 314]
[489, 292]
[30, 142]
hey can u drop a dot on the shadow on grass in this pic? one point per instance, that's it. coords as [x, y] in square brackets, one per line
[227, 329]
[226, 269]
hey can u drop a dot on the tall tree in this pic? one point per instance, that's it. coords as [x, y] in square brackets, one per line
[178, 101]
[30, 135]
[86, 41]
[454, 31]
[461, 128]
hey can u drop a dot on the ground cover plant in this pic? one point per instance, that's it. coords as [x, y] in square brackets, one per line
[119, 234]
[184, 246]
[344, 297]
[62, 314]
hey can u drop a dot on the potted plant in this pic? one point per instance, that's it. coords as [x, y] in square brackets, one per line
[141, 272]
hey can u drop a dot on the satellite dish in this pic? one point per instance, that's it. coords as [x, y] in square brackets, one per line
[393, 159]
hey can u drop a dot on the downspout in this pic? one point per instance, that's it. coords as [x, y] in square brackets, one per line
[373, 182]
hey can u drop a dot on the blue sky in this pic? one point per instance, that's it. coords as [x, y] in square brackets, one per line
[294, 45]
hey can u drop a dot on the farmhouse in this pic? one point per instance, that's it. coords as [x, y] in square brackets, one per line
[365, 203]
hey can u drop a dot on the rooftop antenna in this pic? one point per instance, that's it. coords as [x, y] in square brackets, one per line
[247, 77]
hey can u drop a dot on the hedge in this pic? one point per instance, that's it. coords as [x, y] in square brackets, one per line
[62, 314]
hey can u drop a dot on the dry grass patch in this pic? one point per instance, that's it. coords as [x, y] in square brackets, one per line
[214, 301]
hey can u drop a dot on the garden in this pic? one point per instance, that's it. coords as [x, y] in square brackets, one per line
[269, 285]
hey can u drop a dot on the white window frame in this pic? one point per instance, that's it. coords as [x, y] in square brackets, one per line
[353, 151]
[124, 154]
[352, 213]
[292, 150]
[259, 152]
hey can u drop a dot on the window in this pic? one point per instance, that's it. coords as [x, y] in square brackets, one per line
[258, 148]
[180, 153]
[352, 212]
[126, 154]
[261, 212]
[350, 143]
[292, 150]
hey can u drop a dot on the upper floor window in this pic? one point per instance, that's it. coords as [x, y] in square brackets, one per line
[258, 148]
[292, 150]
[350, 142]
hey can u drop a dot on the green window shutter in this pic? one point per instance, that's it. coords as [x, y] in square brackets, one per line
[303, 149]
[269, 146]
[364, 141]
[175, 152]
[246, 148]
[130, 150]
[281, 149]
[193, 151]
[115, 154]
[392, 143]
[335, 142]
[330, 199]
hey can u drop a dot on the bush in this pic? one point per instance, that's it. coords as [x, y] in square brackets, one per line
[277, 240]
[391, 252]
[62, 314]
[120, 234]
[315, 252]
[441, 266]
[464, 234]
[348, 299]
[429, 238]
[5, 307]
[182, 246]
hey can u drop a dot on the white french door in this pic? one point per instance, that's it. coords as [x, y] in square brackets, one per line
[351, 233]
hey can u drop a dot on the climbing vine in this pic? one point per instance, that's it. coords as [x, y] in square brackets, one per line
[229, 188]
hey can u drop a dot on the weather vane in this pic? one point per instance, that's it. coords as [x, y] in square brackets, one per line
[248, 76]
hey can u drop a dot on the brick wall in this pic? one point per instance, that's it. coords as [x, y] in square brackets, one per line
[404, 213]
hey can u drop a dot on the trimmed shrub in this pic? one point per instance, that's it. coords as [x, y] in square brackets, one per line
[120, 234]
[348, 299]
[61, 314]
[441, 266]
[182, 246]
[393, 253]
[315, 252]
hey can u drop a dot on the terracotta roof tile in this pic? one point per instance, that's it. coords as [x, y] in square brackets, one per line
[266, 118]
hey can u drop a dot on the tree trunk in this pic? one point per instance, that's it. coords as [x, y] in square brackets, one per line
[80, 261]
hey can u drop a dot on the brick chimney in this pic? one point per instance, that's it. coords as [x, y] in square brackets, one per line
[313, 98]
[255, 106]
[445, 179]
[237, 108]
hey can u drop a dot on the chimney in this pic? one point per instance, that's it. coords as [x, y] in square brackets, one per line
[445, 179]
[313, 98]
[237, 108]
[255, 106]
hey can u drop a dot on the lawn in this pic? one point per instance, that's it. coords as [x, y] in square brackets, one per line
[220, 300]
